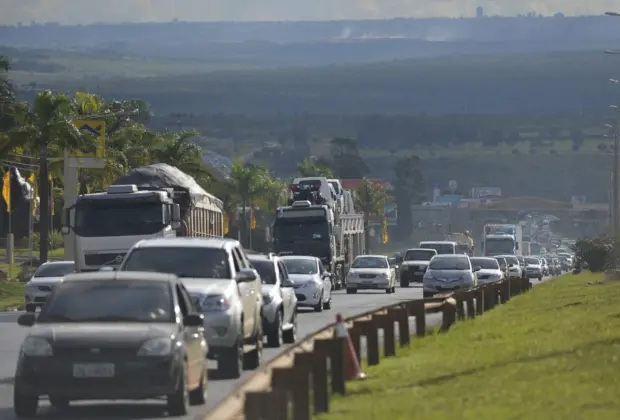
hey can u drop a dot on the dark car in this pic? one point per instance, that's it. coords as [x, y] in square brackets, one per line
[109, 336]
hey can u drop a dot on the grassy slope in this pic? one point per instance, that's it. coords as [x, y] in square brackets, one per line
[552, 354]
[11, 295]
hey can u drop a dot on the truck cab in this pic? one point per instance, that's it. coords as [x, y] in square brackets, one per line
[107, 224]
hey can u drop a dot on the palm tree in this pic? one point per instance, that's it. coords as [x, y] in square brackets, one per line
[370, 198]
[48, 128]
[178, 150]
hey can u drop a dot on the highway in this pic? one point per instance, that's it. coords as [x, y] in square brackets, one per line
[12, 336]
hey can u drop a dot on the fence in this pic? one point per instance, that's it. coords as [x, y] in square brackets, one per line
[307, 374]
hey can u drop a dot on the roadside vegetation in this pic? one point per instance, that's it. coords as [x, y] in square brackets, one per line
[550, 354]
[11, 294]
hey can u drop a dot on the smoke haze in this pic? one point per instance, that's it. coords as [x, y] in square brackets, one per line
[114, 11]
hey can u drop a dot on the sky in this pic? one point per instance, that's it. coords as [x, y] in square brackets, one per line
[113, 11]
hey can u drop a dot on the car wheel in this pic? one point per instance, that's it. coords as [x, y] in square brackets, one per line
[230, 361]
[31, 308]
[290, 336]
[404, 282]
[274, 336]
[351, 291]
[24, 405]
[59, 402]
[252, 359]
[319, 306]
[198, 396]
[328, 304]
[388, 290]
[178, 403]
[393, 289]
[540, 278]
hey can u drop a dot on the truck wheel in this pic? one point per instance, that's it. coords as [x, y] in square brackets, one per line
[31, 308]
[404, 282]
[230, 361]
[274, 336]
[252, 359]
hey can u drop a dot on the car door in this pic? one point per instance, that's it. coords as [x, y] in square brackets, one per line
[327, 282]
[191, 337]
[256, 284]
[392, 272]
[246, 295]
[288, 293]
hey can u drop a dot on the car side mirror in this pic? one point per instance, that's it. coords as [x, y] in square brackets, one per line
[246, 275]
[326, 275]
[26, 320]
[287, 284]
[477, 268]
[193, 320]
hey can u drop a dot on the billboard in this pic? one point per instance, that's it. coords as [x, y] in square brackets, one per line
[486, 192]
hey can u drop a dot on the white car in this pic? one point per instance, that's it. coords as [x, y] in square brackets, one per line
[226, 290]
[414, 265]
[42, 283]
[448, 273]
[489, 269]
[514, 268]
[371, 272]
[279, 300]
[312, 283]
[534, 268]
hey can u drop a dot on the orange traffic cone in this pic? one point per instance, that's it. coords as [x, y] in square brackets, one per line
[352, 365]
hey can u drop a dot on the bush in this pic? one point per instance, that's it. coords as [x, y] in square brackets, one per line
[597, 254]
[56, 240]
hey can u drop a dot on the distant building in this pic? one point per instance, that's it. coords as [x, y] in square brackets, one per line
[479, 12]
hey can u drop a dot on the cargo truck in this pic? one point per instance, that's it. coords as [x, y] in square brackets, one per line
[501, 239]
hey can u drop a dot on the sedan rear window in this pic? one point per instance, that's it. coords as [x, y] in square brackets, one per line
[55, 270]
[370, 262]
[196, 262]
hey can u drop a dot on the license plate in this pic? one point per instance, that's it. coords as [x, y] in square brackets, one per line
[93, 370]
[368, 282]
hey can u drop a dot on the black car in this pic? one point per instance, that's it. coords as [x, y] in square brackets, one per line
[113, 335]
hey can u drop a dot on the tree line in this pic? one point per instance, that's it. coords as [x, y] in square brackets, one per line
[40, 131]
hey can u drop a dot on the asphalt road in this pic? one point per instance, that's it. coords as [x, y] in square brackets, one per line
[12, 336]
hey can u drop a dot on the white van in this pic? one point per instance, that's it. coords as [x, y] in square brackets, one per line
[442, 247]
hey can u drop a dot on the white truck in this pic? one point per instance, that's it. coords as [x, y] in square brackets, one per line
[154, 201]
[502, 239]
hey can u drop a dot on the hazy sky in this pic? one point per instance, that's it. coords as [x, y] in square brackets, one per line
[88, 11]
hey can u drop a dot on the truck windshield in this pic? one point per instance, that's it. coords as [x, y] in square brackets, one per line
[292, 231]
[118, 218]
[495, 246]
[193, 262]
[419, 255]
[440, 248]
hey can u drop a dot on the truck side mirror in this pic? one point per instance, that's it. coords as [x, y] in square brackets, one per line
[176, 217]
[65, 228]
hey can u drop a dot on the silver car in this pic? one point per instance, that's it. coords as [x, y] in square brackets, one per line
[279, 300]
[534, 268]
[312, 283]
[371, 272]
[42, 283]
[447, 273]
[489, 269]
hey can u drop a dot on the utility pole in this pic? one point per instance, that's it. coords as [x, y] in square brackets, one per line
[615, 180]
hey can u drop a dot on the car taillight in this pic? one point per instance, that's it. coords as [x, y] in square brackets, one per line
[294, 187]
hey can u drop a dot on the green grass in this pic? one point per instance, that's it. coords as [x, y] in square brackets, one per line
[11, 295]
[551, 354]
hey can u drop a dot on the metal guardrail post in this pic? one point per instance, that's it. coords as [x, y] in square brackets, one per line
[449, 315]
[372, 342]
[320, 380]
[417, 309]
[469, 300]
[460, 308]
[386, 323]
[479, 293]
[337, 364]
[355, 333]
[401, 316]
[505, 291]
[253, 405]
[301, 389]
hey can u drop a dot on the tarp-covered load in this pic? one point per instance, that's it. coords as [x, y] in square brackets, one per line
[161, 175]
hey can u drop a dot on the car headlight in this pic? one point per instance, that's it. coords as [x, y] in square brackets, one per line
[161, 346]
[37, 347]
[211, 303]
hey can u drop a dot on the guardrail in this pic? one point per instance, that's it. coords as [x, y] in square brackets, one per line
[302, 378]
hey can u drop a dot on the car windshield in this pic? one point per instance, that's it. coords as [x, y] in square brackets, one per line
[55, 270]
[116, 217]
[300, 266]
[266, 270]
[449, 264]
[501, 261]
[487, 263]
[419, 255]
[109, 301]
[370, 262]
[196, 262]
[511, 259]
[532, 261]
